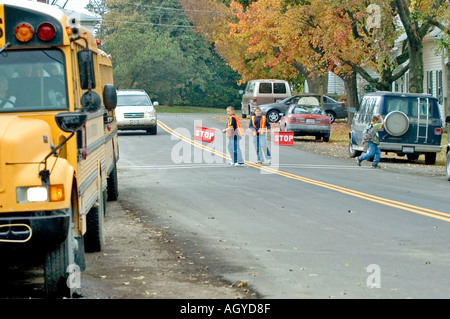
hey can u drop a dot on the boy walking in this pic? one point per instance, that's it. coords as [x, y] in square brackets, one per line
[259, 127]
[370, 136]
[234, 133]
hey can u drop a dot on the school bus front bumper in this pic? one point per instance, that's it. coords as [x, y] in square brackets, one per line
[34, 228]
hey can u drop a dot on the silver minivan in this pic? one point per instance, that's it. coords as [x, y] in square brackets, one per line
[263, 91]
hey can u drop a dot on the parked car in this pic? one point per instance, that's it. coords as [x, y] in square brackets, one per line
[307, 117]
[335, 110]
[263, 91]
[135, 111]
[412, 124]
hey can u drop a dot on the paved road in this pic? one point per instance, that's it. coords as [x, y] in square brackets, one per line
[307, 226]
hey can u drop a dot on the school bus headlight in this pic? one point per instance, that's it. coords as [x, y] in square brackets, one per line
[37, 194]
[34, 194]
[24, 32]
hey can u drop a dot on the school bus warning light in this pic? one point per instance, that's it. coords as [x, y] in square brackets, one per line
[46, 31]
[24, 32]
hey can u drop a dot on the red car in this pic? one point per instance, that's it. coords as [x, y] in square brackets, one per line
[307, 118]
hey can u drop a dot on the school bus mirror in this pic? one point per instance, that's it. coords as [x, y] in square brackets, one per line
[86, 69]
[70, 121]
[110, 97]
[91, 102]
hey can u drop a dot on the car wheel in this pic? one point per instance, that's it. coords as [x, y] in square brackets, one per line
[326, 137]
[273, 116]
[447, 166]
[412, 157]
[331, 115]
[430, 158]
[153, 130]
[351, 151]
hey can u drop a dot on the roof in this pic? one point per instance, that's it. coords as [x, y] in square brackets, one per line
[388, 93]
[268, 80]
[131, 92]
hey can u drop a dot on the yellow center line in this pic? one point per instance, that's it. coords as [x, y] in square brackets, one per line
[348, 191]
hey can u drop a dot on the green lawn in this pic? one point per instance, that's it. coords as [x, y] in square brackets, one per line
[188, 109]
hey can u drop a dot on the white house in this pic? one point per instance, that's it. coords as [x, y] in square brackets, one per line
[90, 21]
[435, 68]
[335, 85]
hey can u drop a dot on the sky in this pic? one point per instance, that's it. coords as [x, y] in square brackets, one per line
[75, 5]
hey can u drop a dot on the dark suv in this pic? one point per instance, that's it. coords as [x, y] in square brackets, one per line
[412, 127]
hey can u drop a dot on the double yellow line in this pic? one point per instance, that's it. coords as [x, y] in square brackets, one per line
[347, 191]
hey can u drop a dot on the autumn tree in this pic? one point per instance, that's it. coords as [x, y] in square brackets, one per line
[417, 18]
[154, 47]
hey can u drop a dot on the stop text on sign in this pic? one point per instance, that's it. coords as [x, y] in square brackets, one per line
[283, 138]
[204, 134]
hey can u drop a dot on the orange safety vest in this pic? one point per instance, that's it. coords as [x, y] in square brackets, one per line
[238, 126]
[262, 124]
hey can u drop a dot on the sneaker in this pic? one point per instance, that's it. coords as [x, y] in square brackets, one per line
[258, 162]
[239, 164]
[231, 164]
[358, 161]
[269, 162]
[375, 166]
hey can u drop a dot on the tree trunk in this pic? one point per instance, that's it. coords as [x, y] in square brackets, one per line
[415, 66]
[317, 84]
[352, 94]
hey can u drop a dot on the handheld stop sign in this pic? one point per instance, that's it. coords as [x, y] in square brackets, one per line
[204, 134]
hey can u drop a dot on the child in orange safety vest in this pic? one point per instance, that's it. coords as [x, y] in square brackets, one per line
[260, 126]
[234, 133]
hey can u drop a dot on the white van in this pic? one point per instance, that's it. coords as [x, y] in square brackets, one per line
[263, 91]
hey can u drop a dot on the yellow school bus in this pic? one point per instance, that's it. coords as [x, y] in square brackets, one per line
[58, 141]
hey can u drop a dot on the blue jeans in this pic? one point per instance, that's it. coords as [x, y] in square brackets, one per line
[235, 150]
[374, 152]
[260, 143]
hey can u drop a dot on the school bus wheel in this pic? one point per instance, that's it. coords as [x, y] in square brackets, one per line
[57, 261]
[94, 239]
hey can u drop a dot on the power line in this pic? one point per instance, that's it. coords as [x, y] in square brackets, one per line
[150, 23]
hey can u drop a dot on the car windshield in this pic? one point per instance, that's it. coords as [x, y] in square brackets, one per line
[304, 109]
[133, 100]
[32, 81]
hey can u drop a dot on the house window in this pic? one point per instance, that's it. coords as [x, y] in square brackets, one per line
[430, 82]
[407, 82]
[439, 85]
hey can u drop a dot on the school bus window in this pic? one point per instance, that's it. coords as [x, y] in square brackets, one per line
[33, 81]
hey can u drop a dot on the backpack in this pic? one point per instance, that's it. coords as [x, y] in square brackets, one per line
[368, 133]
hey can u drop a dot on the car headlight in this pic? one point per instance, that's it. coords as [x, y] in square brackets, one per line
[150, 113]
[36, 194]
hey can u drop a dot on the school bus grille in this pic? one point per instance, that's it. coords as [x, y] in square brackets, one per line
[133, 115]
